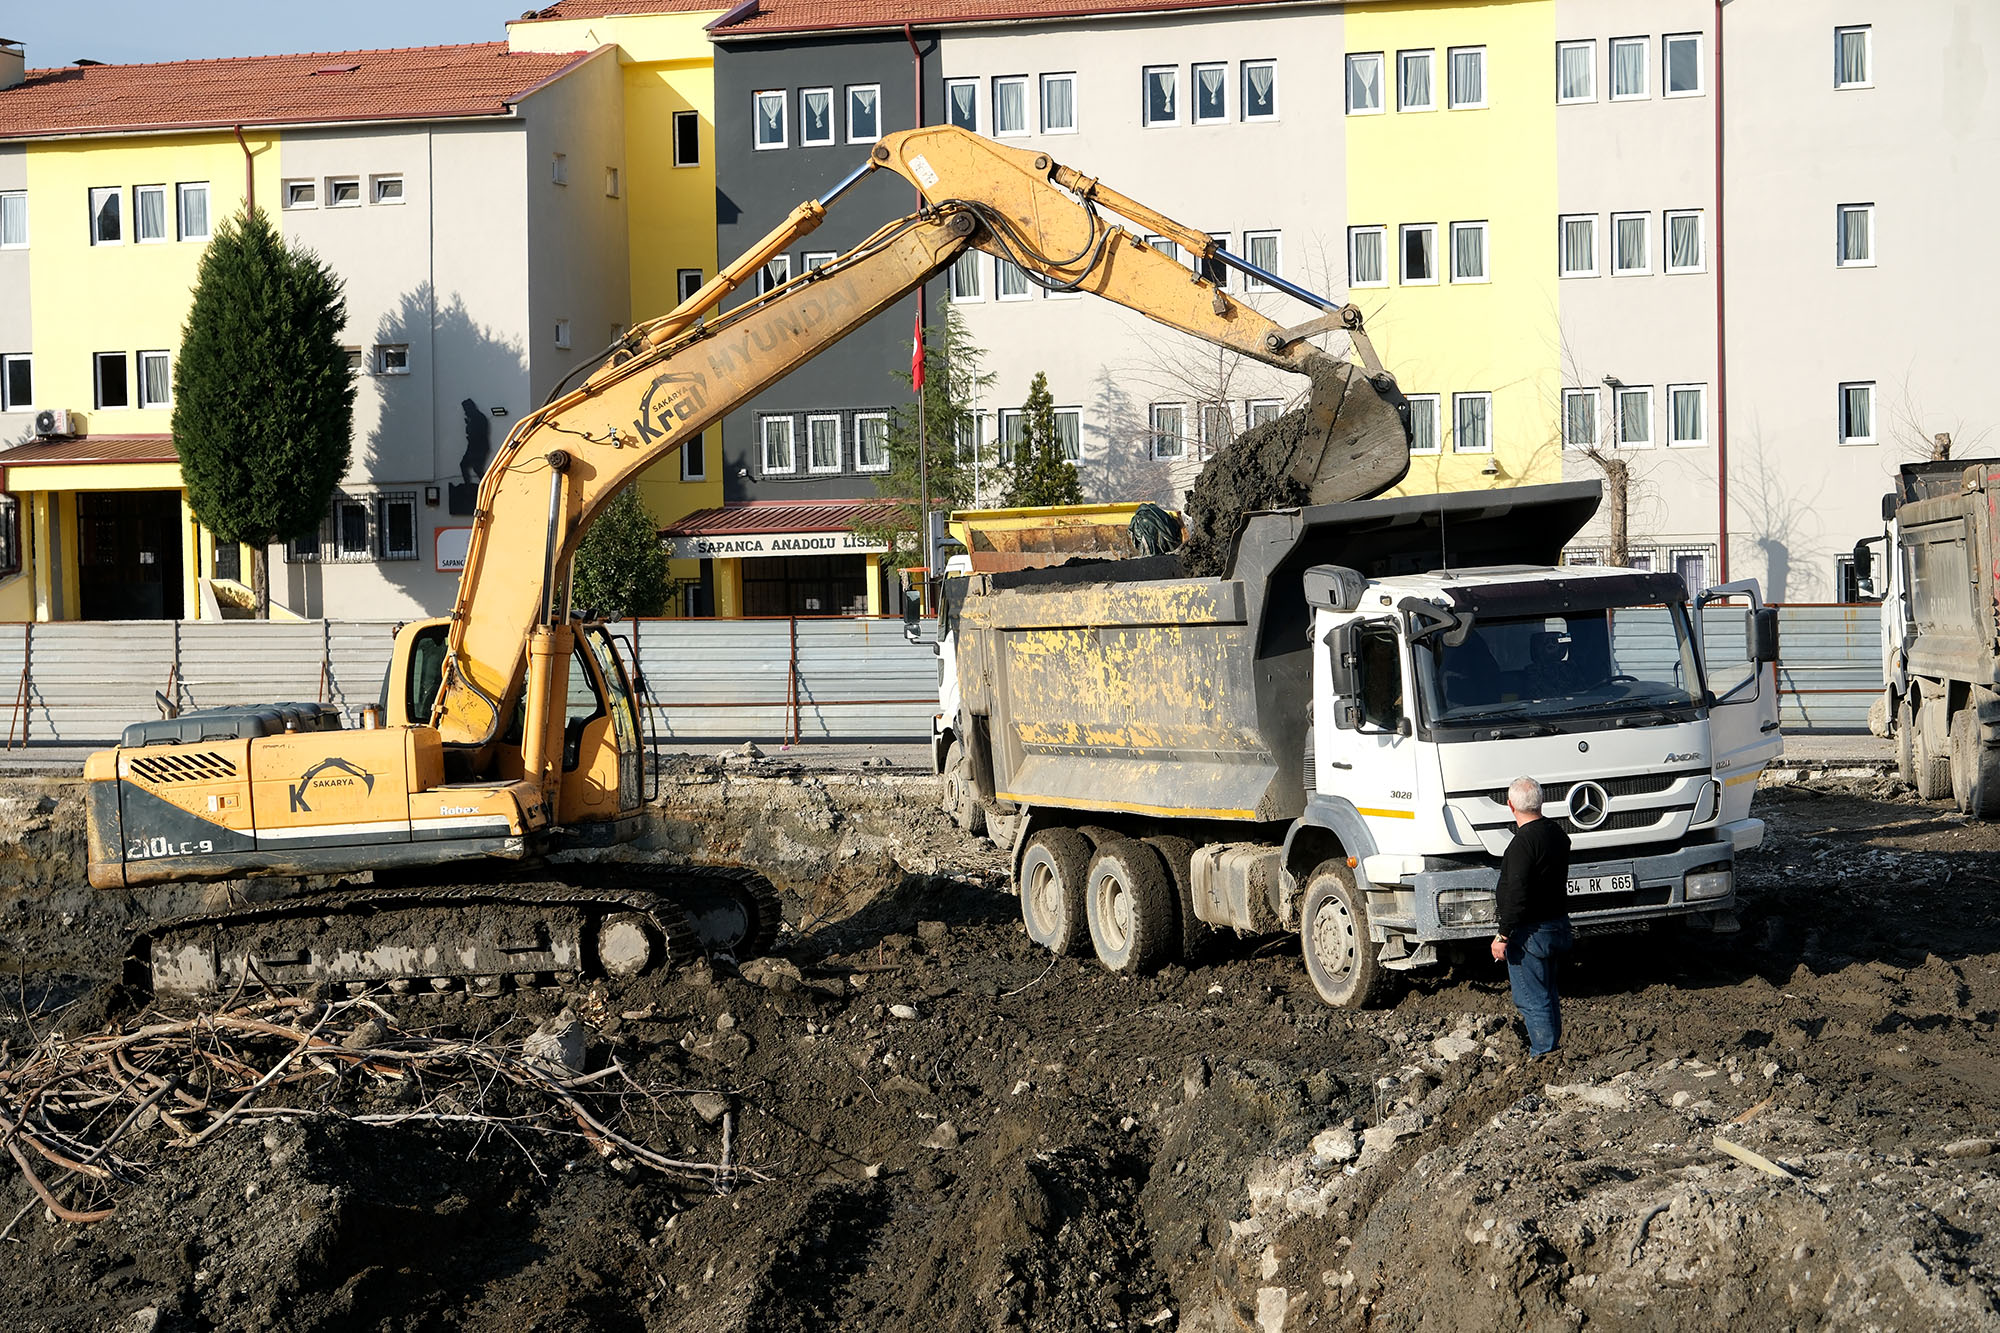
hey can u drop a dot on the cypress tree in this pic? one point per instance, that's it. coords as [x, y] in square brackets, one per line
[1042, 475]
[621, 567]
[263, 400]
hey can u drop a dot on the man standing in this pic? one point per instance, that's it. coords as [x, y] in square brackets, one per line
[1534, 914]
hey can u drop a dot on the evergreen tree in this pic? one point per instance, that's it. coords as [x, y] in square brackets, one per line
[1042, 474]
[621, 564]
[263, 399]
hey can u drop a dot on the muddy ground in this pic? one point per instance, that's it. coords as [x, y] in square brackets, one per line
[961, 1135]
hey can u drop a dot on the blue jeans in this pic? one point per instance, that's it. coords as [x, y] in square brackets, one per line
[1531, 968]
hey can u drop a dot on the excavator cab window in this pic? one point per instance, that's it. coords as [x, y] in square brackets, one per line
[585, 705]
[426, 674]
[624, 714]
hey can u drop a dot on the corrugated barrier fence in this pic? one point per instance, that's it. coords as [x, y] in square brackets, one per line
[812, 678]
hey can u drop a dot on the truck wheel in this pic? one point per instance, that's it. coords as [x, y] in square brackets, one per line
[1130, 904]
[1333, 929]
[1933, 759]
[1053, 870]
[1975, 770]
[1906, 743]
[1196, 935]
[961, 799]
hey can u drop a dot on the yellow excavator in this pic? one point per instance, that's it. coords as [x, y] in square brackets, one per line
[419, 846]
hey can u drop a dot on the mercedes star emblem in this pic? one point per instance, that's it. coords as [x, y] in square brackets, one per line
[1587, 803]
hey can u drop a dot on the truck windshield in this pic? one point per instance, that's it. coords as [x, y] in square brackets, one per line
[1559, 663]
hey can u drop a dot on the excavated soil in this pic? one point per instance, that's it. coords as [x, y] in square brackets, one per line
[962, 1134]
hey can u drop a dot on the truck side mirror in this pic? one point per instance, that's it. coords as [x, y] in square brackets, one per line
[1889, 507]
[1344, 672]
[1763, 630]
[913, 610]
[1864, 563]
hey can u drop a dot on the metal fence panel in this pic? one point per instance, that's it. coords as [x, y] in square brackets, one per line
[88, 680]
[357, 659]
[1831, 667]
[279, 661]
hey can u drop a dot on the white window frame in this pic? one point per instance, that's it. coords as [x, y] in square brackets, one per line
[612, 184]
[1562, 246]
[146, 400]
[681, 277]
[1645, 93]
[1217, 272]
[848, 96]
[1840, 212]
[7, 401]
[1456, 400]
[185, 191]
[335, 183]
[973, 264]
[1277, 266]
[341, 550]
[1667, 41]
[1005, 448]
[166, 226]
[1701, 392]
[392, 358]
[820, 419]
[1435, 403]
[1596, 418]
[1583, 555]
[767, 281]
[1867, 32]
[1589, 45]
[952, 84]
[1243, 90]
[1705, 554]
[832, 131]
[813, 259]
[1642, 393]
[675, 145]
[97, 361]
[1027, 113]
[356, 360]
[296, 196]
[1173, 73]
[100, 192]
[1485, 273]
[1381, 86]
[859, 419]
[757, 97]
[1215, 425]
[764, 437]
[1403, 250]
[1194, 86]
[693, 468]
[1450, 70]
[1058, 414]
[1153, 433]
[376, 184]
[1645, 220]
[1000, 293]
[1252, 406]
[1381, 234]
[1169, 247]
[559, 169]
[1667, 220]
[386, 505]
[12, 196]
[562, 334]
[1840, 414]
[1430, 56]
[1042, 106]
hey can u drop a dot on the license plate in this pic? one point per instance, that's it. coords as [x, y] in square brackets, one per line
[1601, 884]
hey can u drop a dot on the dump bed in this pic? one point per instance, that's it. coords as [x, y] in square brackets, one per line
[1949, 541]
[1114, 685]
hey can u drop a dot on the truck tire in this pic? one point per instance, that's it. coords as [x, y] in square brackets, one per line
[1342, 961]
[1129, 901]
[1196, 935]
[1906, 743]
[1054, 867]
[1933, 760]
[1975, 770]
[961, 798]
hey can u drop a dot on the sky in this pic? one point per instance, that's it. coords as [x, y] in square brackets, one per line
[132, 31]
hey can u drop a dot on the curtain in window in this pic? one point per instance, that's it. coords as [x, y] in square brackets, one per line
[778, 445]
[1629, 243]
[771, 119]
[1468, 78]
[1159, 95]
[1685, 408]
[1263, 252]
[1859, 409]
[1853, 235]
[1365, 257]
[1010, 112]
[152, 214]
[1260, 87]
[1579, 245]
[823, 440]
[1684, 242]
[1069, 434]
[1423, 425]
[1364, 83]
[1628, 69]
[1416, 79]
[1693, 569]
[1468, 252]
[964, 98]
[1168, 426]
[13, 219]
[1635, 418]
[1854, 57]
[817, 112]
[861, 105]
[1573, 71]
[1580, 420]
[1208, 95]
[1013, 433]
[1472, 425]
[1013, 282]
[158, 379]
[871, 442]
[194, 213]
[1058, 104]
[965, 276]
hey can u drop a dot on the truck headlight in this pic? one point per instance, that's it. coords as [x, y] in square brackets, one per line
[1706, 884]
[1467, 907]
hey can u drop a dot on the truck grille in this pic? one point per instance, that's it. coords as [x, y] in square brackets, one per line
[1636, 784]
[205, 767]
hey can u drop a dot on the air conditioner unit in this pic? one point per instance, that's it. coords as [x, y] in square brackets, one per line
[58, 421]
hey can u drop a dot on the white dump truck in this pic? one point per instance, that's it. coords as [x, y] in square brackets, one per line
[1320, 742]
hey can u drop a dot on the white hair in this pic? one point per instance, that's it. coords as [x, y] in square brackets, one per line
[1525, 795]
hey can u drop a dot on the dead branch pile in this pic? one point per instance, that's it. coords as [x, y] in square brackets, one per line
[78, 1114]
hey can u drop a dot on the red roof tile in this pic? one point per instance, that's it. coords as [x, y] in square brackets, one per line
[779, 16]
[752, 518]
[92, 449]
[413, 83]
[597, 9]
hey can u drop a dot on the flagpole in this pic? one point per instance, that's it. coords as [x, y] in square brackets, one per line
[923, 456]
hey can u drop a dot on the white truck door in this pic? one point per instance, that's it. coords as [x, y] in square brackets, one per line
[1369, 755]
[1743, 727]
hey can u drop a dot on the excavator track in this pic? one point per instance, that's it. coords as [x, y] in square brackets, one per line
[734, 910]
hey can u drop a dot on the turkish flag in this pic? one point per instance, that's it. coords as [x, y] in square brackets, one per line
[917, 357]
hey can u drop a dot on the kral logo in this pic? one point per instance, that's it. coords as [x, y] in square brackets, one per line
[670, 400]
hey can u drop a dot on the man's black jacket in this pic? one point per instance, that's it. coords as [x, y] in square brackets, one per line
[1534, 877]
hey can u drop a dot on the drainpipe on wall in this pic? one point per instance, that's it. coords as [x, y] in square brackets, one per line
[1721, 332]
[249, 173]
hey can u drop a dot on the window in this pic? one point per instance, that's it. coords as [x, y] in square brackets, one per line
[774, 274]
[1261, 411]
[343, 192]
[961, 103]
[562, 333]
[1364, 84]
[815, 117]
[1472, 423]
[1576, 71]
[149, 213]
[559, 169]
[1420, 241]
[17, 383]
[354, 360]
[112, 389]
[769, 117]
[611, 182]
[1579, 418]
[1069, 432]
[822, 444]
[1857, 413]
[398, 529]
[820, 258]
[1635, 418]
[1260, 89]
[1855, 244]
[1010, 283]
[1687, 414]
[962, 279]
[1213, 269]
[1846, 587]
[392, 359]
[1582, 556]
[1468, 76]
[776, 434]
[384, 189]
[1171, 249]
[1468, 252]
[1413, 81]
[1161, 105]
[1010, 106]
[156, 379]
[1628, 69]
[1058, 104]
[1218, 427]
[1169, 434]
[871, 441]
[350, 530]
[1681, 54]
[10, 535]
[965, 436]
[1013, 434]
[1577, 242]
[1364, 257]
[13, 219]
[1853, 63]
[687, 138]
[1261, 249]
[1211, 94]
[864, 113]
[688, 280]
[694, 459]
[1684, 244]
[301, 194]
[1629, 235]
[106, 220]
[1692, 566]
